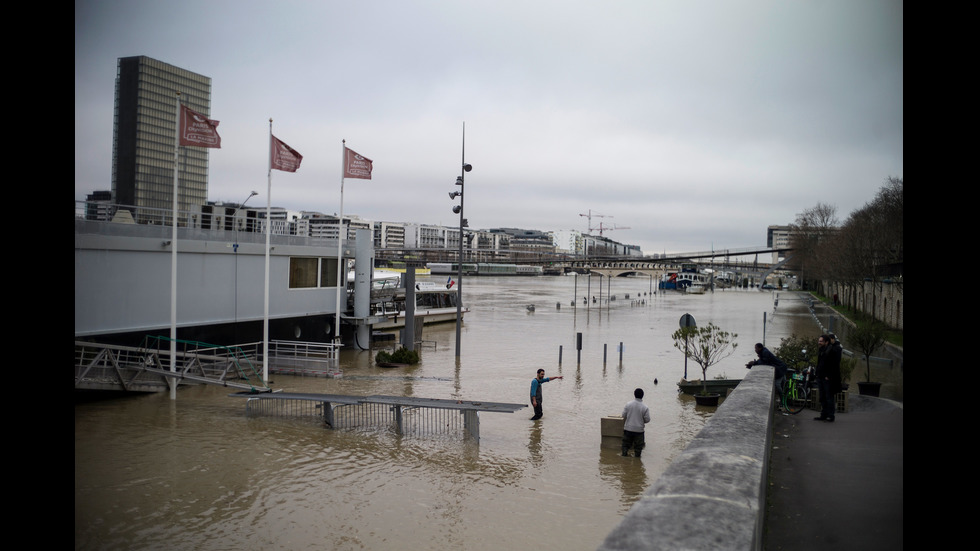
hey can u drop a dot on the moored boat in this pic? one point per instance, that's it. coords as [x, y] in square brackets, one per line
[680, 281]
[434, 303]
[695, 288]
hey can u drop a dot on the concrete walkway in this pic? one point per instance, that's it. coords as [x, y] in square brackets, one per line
[838, 485]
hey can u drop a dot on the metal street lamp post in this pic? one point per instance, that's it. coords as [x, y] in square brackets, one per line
[458, 209]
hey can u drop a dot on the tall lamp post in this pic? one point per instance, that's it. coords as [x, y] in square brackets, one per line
[458, 209]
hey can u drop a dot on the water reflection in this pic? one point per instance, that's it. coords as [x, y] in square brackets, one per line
[628, 473]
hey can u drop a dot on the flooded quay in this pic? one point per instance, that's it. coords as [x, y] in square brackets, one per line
[197, 473]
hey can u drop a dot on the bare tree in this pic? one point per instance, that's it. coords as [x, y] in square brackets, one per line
[811, 228]
[870, 245]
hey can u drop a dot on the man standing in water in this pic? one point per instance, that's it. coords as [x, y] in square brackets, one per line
[536, 392]
[635, 415]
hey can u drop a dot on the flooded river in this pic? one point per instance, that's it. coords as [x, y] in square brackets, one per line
[197, 473]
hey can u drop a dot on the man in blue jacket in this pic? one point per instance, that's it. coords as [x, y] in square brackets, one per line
[536, 393]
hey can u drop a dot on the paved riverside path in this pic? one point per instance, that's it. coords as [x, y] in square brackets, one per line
[838, 485]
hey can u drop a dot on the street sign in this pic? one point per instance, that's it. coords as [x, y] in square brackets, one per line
[687, 320]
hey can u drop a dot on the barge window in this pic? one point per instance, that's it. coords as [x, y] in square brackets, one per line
[328, 272]
[302, 272]
[311, 273]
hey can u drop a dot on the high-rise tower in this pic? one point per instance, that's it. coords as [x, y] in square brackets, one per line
[144, 123]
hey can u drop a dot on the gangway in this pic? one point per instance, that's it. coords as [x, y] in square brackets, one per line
[147, 368]
[408, 415]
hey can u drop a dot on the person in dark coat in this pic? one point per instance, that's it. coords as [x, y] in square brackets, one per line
[768, 358]
[828, 377]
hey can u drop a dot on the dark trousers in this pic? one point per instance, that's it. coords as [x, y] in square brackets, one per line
[633, 440]
[537, 411]
[828, 406]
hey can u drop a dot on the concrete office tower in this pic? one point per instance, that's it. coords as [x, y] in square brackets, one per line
[144, 122]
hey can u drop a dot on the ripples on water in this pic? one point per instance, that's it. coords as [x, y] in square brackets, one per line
[198, 473]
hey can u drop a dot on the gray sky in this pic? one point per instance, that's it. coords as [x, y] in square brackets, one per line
[694, 123]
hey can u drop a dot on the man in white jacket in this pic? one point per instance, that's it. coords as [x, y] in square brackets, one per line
[636, 414]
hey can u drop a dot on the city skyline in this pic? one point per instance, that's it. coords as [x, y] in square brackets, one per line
[696, 126]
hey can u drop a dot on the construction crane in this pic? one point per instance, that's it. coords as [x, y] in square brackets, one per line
[590, 215]
[600, 227]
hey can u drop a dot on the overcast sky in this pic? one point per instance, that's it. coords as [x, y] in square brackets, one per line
[695, 124]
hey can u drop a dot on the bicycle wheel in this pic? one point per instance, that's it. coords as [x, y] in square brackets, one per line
[794, 399]
[783, 392]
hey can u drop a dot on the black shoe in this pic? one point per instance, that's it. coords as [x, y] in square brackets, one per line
[626, 454]
[829, 419]
[821, 418]
[535, 418]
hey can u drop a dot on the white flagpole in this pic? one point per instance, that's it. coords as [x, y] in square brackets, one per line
[340, 240]
[173, 258]
[268, 233]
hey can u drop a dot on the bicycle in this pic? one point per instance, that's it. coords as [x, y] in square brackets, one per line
[796, 389]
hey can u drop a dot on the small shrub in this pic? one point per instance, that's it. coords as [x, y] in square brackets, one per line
[400, 356]
[791, 348]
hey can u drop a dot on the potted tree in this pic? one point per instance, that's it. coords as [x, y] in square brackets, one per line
[867, 338]
[707, 346]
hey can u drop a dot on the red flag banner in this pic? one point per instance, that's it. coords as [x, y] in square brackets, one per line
[284, 157]
[197, 130]
[357, 166]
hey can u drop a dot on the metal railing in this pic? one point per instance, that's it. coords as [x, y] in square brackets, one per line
[210, 361]
[147, 368]
[129, 214]
[413, 421]
[405, 415]
[246, 224]
[304, 358]
[425, 422]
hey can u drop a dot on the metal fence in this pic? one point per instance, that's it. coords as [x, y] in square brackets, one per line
[405, 420]
[304, 358]
[404, 414]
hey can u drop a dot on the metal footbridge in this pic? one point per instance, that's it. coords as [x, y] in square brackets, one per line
[406, 415]
[146, 368]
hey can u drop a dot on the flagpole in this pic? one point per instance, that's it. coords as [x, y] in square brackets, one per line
[268, 233]
[173, 256]
[340, 241]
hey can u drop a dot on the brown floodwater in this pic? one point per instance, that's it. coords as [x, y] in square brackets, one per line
[197, 473]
